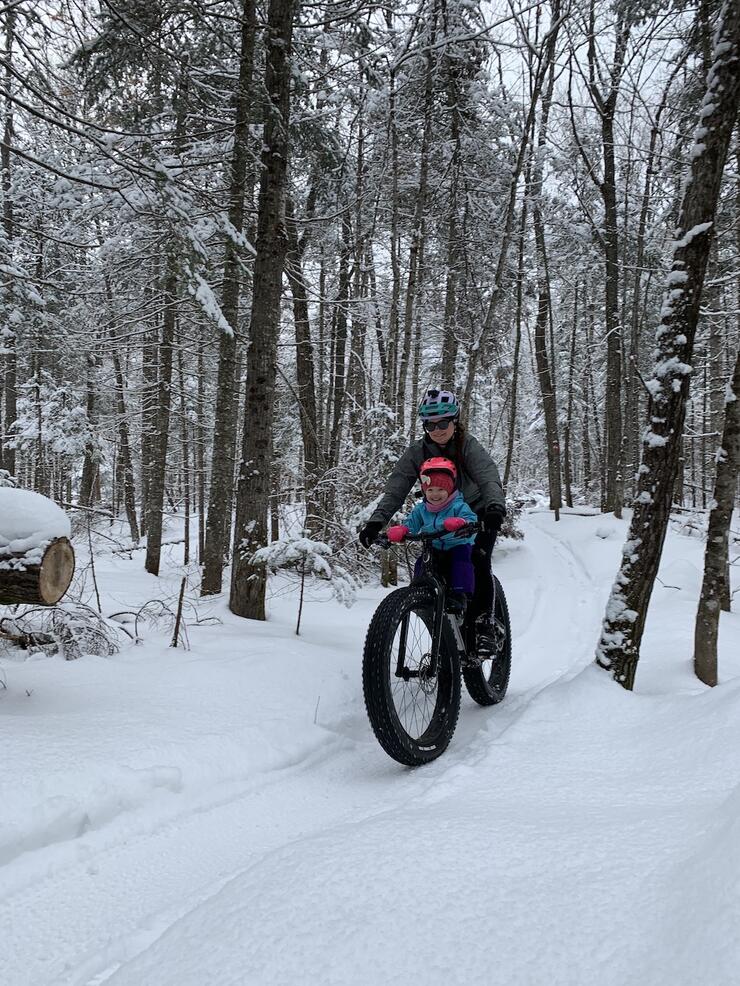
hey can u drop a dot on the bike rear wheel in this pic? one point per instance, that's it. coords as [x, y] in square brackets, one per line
[412, 710]
[488, 680]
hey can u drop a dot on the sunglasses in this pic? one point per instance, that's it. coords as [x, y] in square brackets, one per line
[438, 425]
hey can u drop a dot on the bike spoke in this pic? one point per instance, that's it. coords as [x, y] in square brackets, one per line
[415, 700]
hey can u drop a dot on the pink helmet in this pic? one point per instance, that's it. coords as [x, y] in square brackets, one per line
[437, 464]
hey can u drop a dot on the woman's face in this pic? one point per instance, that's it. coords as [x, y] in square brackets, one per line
[442, 432]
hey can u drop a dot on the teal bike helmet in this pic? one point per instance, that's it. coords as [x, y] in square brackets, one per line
[438, 403]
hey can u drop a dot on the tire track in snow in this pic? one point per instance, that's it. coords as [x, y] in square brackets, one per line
[297, 801]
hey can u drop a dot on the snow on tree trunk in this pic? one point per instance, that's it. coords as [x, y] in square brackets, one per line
[618, 649]
[249, 575]
[715, 560]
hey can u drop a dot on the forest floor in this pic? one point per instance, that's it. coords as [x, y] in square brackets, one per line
[224, 815]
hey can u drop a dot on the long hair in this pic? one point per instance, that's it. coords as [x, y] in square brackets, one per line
[459, 440]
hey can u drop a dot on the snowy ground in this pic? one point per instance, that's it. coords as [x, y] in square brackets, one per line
[225, 816]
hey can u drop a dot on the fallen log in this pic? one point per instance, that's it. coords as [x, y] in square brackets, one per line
[40, 577]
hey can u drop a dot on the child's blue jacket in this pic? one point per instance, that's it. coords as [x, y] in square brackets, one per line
[421, 520]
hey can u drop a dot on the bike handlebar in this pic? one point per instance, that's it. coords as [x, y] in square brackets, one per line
[472, 528]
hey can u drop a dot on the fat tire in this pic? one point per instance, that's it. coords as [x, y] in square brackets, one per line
[376, 681]
[480, 686]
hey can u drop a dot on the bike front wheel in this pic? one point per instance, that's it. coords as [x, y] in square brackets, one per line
[487, 680]
[412, 701]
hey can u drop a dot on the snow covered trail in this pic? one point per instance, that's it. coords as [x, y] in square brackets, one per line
[225, 815]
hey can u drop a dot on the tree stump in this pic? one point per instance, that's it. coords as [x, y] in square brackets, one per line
[25, 579]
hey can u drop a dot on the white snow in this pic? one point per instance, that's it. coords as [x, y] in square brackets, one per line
[654, 441]
[28, 523]
[203, 293]
[687, 238]
[225, 816]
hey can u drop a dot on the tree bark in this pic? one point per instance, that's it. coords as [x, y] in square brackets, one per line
[249, 579]
[517, 341]
[567, 463]
[393, 319]
[545, 372]
[160, 443]
[618, 650]
[304, 356]
[714, 585]
[339, 367]
[91, 461]
[10, 341]
[218, 524]
[606, 105]
[419, 229]
[127, 468]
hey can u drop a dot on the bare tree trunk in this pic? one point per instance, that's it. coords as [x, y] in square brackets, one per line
[127, 469]
[10, 342]
[393, 320]
[567, 465]
[357, 374]
[632, 410]
[517, 342]
[419, 227]
[218, 526]
[339, 369]
[545, 373]
[606, 105]
[200, 450]
[304, 356]
[450, 339]
[185, 442]
[249, 579]
[160, 443]
[714, 585]
[619, 647]
[379, 337]
[157, 477]
[149, 360]
[91, 461]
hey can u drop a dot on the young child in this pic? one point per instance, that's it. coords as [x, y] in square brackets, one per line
[443, 509]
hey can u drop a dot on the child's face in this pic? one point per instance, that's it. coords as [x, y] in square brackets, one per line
[435, 494]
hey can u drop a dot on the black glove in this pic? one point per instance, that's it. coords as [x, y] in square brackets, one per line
[370, 532]
[492, 519]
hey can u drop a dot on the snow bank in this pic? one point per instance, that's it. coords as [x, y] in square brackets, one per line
[28, 523]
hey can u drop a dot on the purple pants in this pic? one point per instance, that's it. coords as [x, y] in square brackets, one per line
[457, 567]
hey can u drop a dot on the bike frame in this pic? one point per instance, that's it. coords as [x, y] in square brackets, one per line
[432, 578]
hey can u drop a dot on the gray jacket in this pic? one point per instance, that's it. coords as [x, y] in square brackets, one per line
[479, 482]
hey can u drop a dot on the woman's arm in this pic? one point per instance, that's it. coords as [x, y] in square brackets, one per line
[483, 471]
[400, 481]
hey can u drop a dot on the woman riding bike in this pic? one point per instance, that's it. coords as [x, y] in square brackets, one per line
[479, 481]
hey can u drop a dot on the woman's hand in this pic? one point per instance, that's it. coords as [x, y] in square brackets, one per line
[492, 519]
[369, 533]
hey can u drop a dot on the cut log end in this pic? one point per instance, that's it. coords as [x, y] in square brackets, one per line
[42, 584]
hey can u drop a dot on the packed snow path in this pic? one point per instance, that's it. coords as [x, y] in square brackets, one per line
[225, 815]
